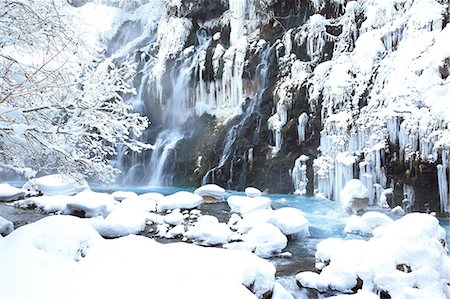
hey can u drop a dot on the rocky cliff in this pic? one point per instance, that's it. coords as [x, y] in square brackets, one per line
[291, 96]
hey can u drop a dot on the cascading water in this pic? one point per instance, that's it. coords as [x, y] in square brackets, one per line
[175, 113]
[235, 131]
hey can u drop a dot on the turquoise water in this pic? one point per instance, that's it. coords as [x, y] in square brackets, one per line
[326, 217]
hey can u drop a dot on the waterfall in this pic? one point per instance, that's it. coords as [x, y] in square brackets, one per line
[177, 109]
[236, 130]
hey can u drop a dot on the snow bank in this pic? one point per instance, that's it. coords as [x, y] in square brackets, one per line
[180, 200]
[243, 204]
[62, 253]
[56, 184]
[405, 258]
[10, 193]
[210, 190]
[6, 227]
[366, 223]
[354, 196]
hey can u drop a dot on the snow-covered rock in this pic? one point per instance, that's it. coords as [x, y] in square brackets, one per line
[48, 204]
[366, 223]
[208, 231]
[266, 239]
[403, 258]
[252, 192]
[6, 227]
[152, 196]
[210, 192]
[120, 222]
[179, 200]
[279, 292]
[174, 218]
[53, 253]
[121, 195]
[290, 221]
[354, 196]
[56, 184]
[243, 204]
[11, 193]
[140, 203]
[90, 204]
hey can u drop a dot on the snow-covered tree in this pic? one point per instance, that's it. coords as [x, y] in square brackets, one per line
[61, 105]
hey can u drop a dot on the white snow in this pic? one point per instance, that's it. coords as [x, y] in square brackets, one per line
[6, 226]
[57, 184]
[354, 196]
[144, 203]
[49, 204]
[366, 223]
[208, 231]
[180, 200]
[243, 204]
[252, 192]
[174, 218]
[91, 204]
[55, 253]
[120, 222]
[290, 221]
[404, 258]
[10, 193]
[210, 190]
[266, 239]
[121, 195]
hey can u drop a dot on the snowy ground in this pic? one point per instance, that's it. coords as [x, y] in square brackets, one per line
[244, 248]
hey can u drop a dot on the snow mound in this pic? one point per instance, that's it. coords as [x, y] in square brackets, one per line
[243, 204]
[121, 195]
[48, 204]
[354, 196]
[290, 221]
[174, 218]
[405, 258]
[180, 200]
[120, 222]
[266, 239]
[90, 204]
[252, 192]
[141, 203]
[210, 190]
[6, 227]
[10, 193]
[56, 184]
[208, 231]
[153, 196]
[58, 251]
[366, 223]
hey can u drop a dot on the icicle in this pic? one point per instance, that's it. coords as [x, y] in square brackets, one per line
[299, 178]
[344, 169]
[301, 128]
[237, 20]
[442, 170]
[287, 41]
